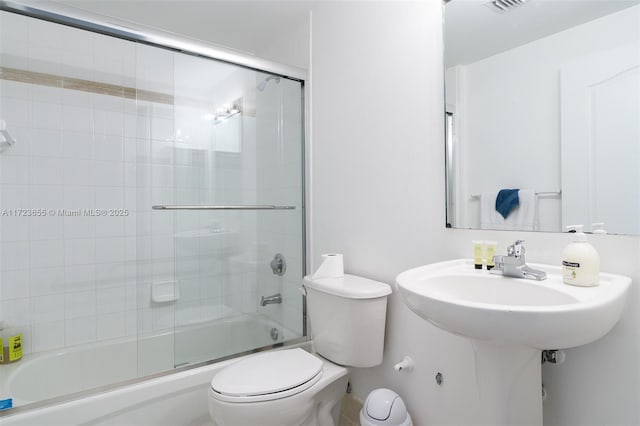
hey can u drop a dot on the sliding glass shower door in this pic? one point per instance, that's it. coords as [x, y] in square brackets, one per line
[225, 202]
[149, 201]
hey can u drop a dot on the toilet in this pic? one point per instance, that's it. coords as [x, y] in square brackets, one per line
[293, 387]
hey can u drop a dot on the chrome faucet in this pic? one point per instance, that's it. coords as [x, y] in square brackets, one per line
[515, 265]
[269, 300]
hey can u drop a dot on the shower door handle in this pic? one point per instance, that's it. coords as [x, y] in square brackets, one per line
[222, 207]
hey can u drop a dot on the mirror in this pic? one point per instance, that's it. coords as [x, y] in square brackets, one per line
[543, 96]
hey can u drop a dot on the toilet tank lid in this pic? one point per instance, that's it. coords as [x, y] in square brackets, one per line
[349, 286]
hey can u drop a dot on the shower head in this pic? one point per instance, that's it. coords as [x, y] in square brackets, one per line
[263, 84]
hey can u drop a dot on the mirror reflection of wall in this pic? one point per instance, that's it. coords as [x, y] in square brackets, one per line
[545, 98]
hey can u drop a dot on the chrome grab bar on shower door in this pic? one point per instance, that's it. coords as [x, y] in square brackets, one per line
[222, 207]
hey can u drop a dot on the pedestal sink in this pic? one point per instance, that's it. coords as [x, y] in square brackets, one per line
[509, 321]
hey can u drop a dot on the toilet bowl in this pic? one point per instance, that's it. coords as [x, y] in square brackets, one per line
[292, 387]
[286, 387]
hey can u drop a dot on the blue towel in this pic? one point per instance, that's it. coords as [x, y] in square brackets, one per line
[6, 404]
[506, 201]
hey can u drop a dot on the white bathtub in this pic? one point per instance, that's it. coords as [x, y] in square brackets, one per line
[53, 374]
[178, 399]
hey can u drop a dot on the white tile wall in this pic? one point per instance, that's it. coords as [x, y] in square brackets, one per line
[110, 326]
[65, 279]
[47, 336]
[15, 284]
[80, 330]
[79, 304]
[78, 279]
[45, 281]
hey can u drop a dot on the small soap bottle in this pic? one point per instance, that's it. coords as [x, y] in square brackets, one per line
[478, 253]
[490, 250]
[580, 261]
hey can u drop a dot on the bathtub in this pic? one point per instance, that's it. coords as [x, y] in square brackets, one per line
[178, 399]
[45, 376]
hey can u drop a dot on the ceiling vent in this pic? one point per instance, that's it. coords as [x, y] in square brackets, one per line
[502, 6]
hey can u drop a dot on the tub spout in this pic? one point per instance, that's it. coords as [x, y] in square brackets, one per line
[269, 300]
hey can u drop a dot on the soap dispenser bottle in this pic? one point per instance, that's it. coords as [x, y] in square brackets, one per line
[580, 261]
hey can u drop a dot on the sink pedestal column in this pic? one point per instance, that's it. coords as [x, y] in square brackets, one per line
[509, 384]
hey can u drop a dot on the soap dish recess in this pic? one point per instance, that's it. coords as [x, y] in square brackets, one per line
[165, 291]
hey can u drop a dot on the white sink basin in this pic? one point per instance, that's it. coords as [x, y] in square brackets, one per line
[539, 314]
[508, 322]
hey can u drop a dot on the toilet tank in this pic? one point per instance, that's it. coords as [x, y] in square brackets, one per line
[347, 316]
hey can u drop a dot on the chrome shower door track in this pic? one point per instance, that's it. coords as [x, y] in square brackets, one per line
[73, 17]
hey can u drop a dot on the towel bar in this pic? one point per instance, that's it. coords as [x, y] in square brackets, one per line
[549, 194]
[222, 207]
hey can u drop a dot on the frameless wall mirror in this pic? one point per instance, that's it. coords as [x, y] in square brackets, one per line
[543, 96]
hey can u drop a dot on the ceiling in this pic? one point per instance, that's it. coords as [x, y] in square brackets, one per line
[241, 25]
[474, 31]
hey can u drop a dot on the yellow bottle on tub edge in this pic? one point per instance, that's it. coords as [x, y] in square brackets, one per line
[11, 344]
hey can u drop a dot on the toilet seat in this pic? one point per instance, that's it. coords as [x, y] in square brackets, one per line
[267, 376]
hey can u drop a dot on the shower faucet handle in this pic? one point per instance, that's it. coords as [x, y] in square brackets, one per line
[278, 265]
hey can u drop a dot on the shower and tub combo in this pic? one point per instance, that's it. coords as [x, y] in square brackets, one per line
[154, 192]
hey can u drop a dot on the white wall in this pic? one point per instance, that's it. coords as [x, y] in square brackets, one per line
[512, 100]
[379, 199]
[274, 30]
[378, 181]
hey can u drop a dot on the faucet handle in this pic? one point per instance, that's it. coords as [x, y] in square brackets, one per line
[516, 249]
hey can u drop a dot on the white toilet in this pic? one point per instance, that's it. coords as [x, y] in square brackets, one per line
[293, 387]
